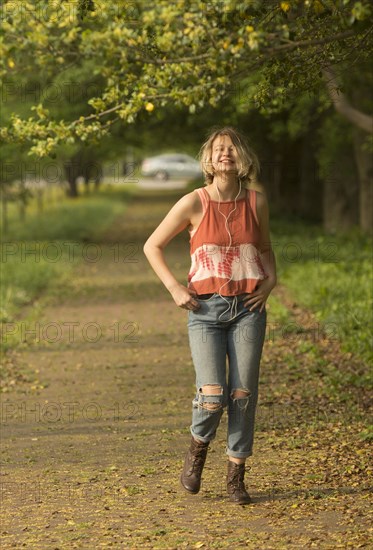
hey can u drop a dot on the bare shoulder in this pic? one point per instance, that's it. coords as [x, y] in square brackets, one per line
[261, 196]
[262, 208]
[190, 202]
[192, 197]
[261, 199]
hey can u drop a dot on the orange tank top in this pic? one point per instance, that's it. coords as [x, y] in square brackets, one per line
[216, 266]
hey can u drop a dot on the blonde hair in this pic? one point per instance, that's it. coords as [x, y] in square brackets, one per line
[247, 162]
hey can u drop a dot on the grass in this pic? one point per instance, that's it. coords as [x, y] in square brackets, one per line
[22, 280]
[330, 275]
[81, 219]
[40, 252]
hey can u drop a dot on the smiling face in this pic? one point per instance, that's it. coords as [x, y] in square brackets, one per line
[226, 152]
[223, 155]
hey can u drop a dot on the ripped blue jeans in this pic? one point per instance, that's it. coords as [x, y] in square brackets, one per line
[223, 328]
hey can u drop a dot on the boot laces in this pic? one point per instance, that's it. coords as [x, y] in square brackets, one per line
[198, 458]
[237, 479]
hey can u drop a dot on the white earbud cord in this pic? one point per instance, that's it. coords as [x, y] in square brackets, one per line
[233, 308]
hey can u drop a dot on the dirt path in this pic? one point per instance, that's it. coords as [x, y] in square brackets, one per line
[93, 439]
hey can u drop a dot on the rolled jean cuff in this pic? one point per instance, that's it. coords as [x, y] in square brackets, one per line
[238, 454]
[200, 438]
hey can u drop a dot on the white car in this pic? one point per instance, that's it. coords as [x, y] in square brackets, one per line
[164, 167]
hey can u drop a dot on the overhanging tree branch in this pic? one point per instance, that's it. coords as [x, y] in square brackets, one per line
[342, 105]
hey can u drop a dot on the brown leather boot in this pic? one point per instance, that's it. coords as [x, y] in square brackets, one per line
[193, 466]
[235, 483]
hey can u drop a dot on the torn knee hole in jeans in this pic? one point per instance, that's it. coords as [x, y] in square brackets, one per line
[240, 393]
[210, 397]
[212, 407]
[241, 397]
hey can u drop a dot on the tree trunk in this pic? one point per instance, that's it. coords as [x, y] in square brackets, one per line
[96, 174]
[73, 189]
[340, 200]
[290, 177]
[310, 184]
[97, 184]
[86, 185]
[72, 171]
[364, 162]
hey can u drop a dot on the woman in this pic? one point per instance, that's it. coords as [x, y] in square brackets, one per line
[232, 273]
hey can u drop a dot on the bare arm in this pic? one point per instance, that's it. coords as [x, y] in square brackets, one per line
[177, 219]
[267, 256]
